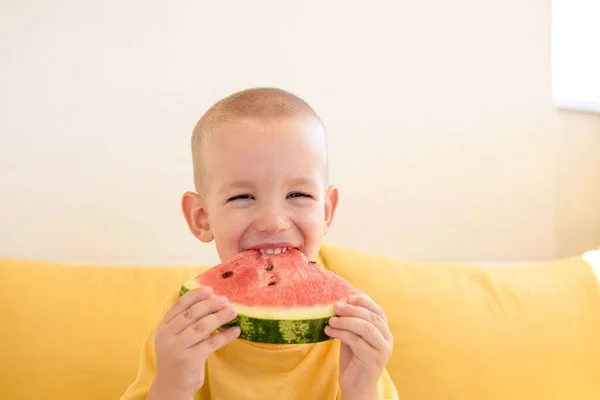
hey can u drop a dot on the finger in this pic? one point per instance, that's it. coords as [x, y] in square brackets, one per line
[218, 340]
[350, 310]
[195, 312]
[361, 349]
[365, 301]
[201, 329]
[362, 328]
[187, 300]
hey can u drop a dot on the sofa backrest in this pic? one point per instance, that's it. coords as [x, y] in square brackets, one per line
[466, 332]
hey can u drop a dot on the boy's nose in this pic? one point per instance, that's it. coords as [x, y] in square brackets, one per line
[272, 220]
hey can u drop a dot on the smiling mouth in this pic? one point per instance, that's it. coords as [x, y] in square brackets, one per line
[273, 248]
[276, 250]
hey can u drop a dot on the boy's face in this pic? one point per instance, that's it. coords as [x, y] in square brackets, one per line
[264, 187]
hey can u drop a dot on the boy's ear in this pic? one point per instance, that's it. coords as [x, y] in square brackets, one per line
[331, 203]
[194, 210]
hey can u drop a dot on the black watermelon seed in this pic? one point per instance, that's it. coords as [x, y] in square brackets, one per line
[227, 274]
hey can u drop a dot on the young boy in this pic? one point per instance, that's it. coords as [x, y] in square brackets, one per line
[260, 172]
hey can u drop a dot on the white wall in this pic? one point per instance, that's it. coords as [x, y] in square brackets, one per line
[445, 141]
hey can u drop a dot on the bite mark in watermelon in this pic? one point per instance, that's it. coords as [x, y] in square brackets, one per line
[280, 298]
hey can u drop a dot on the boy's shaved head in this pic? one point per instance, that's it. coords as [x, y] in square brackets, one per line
[255, 103]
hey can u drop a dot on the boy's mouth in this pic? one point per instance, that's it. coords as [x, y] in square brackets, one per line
[274, 248]
[277, 250]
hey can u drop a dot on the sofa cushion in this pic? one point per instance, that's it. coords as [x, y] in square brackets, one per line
[76, 331]
[473, 332]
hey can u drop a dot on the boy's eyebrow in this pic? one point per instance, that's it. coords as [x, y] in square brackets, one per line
[241, 184]
[302, 181]
[244, 184]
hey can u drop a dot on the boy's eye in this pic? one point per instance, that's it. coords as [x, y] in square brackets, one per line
[240, 197]
[298, 194]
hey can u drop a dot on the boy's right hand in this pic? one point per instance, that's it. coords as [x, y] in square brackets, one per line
[183, 342]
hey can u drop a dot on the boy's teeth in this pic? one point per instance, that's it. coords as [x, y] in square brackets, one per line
[274, 251]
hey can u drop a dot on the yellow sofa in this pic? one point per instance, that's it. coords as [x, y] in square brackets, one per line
[462, 332]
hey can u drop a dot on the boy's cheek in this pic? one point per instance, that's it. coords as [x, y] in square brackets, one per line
[227, 232]
[313, 221]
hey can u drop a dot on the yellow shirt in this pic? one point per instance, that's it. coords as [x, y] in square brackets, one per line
[249, 371]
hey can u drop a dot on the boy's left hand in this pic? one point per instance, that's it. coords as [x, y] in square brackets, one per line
[366, 346]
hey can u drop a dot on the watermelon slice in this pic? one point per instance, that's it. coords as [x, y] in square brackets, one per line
[280, 298]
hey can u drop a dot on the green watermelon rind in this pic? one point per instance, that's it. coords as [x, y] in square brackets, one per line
[277, 331]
